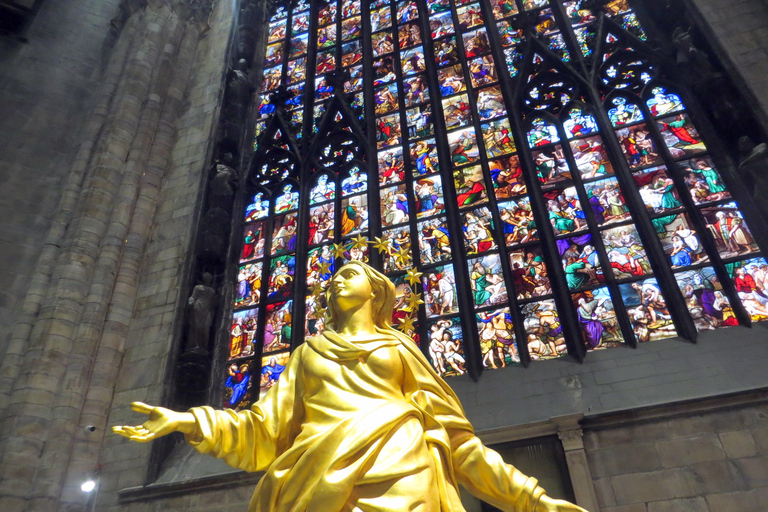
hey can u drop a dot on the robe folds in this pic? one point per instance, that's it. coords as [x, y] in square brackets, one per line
[365, 426]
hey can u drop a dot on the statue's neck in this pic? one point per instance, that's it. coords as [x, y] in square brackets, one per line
[358, 322]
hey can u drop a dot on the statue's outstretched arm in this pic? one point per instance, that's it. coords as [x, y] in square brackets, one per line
[161, 422]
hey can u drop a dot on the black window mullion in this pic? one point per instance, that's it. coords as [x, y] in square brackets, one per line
[369, 122]
[458, 256]
[309, 84]
[697, 219]
[475, 124]
[642, 221]
[594, 230]
[493, 202]
[339, 43]
[306, 182]
[561, 294]
[424, 333]
[508, 85]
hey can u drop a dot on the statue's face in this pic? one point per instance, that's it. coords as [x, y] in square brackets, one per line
[350, 287]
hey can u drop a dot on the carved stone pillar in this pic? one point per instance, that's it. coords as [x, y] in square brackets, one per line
[571, 436]
[59, 373]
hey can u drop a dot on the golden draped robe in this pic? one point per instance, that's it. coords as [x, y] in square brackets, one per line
[361, 427]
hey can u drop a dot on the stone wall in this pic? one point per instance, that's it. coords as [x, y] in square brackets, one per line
[97, 304]
[47, 88]
[116, 243]
[724, 361]
[740, 29]
[709, 462]
[145, 371]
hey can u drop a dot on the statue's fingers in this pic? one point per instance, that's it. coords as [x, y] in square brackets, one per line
[141, 407]
[142, 438]
[125, 431]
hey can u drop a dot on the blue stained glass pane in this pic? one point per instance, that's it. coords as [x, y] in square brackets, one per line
[624, 112]
[272, 366]
[240, 385]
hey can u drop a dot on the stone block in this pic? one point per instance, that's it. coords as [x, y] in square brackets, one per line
[635, 507]
[604, 492]
[684, 452]
[628, 434]
[738, 444]
[716, 476]
[619, 460]
[760, 435]
[653, 486]
[684, 505]
[755, 470]
[747, 501]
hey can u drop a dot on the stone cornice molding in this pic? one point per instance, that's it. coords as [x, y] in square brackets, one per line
[572, 439]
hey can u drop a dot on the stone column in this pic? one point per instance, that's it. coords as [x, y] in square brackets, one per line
[60, 369]
[571, 436]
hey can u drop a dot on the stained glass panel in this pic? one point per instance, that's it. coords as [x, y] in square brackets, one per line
[497, 338]
[618, 206]
[446, 350]
[751, 280]
[597, 319]
[544, 330]
[704, 296]
[238, 386]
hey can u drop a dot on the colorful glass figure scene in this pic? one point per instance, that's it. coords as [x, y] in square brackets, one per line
[552, 204]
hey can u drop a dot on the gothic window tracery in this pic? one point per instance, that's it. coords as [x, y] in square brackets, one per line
[521, 170]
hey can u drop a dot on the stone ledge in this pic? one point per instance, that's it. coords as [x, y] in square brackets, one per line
[206, 483]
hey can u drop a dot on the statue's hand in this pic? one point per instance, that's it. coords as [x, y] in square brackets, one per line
[161, 422]
[547, 504]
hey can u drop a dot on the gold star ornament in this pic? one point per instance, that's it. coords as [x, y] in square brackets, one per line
[359, 242]
[414, 301]
[382, 245]
[338, 250]
[406, 325]
[413, 276]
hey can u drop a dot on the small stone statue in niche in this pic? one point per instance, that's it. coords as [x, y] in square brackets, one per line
[358, 420]
[690, 58]
[224, 183]
[753, 166]
[200, 313]
[239, 89]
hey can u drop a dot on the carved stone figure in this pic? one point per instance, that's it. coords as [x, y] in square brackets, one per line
[358, 420]
[239, 89]
[688, 56]
[224, 183]
[248, 14]
[200, 314]
[753, 166]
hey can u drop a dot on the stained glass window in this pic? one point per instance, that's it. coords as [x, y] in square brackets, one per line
[521, 170]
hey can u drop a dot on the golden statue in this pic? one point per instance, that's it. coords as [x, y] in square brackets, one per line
[359, 421]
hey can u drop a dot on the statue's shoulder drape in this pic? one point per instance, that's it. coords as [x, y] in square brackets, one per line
[360, 423]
